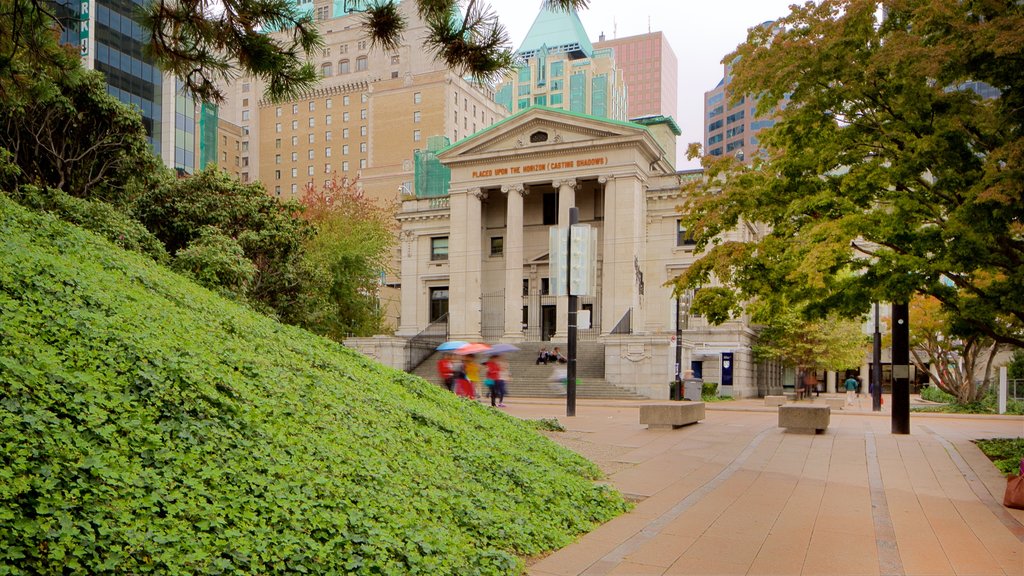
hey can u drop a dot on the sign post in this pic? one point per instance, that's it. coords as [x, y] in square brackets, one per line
[573, 252]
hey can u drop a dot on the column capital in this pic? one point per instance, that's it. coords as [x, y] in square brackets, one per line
[570, 182]
[477, 193]
[603, 179]
[506, 188]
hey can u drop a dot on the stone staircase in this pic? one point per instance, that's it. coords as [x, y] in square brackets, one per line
[530, 380]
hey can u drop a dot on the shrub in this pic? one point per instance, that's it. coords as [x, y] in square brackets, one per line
[96, 216]
[933, 394]
[216, 262]
[150, 426]
[709, 389]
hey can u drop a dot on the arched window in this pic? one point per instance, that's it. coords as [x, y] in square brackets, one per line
[326, 69]
[539, 137]
[343, 67]
[361, 63]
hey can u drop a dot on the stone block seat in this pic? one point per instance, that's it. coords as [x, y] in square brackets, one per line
[774, 400]
[669, 415]
[835, 403]
[804, 418]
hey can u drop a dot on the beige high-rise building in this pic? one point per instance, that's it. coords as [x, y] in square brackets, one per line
[371, 112]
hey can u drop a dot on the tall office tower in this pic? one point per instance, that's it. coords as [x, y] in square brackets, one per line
[731, 127]
[650, 70]
[110, 40]
[369, 115]
[562, 69]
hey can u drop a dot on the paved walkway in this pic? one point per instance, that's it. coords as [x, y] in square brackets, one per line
[734, 494]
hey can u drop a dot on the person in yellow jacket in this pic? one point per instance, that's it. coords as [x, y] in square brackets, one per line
[473, 374]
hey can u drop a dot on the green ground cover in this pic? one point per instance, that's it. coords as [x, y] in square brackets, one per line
[150, 426]
[989, 404]
[1005, 453]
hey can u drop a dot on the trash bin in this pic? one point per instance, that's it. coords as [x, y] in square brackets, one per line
[692, 388]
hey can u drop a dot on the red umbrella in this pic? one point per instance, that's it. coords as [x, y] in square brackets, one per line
[473, 348]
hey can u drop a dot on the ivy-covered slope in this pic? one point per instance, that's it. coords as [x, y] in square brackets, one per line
[149, 426]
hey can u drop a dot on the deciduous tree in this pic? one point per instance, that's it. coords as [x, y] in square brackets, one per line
[344, 259]
[884, 162]
[830, 343]
[958, 366]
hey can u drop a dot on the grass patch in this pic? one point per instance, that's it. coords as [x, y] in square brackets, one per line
[547, 424]
[148, 425]
[1005, 453]
[715, 398]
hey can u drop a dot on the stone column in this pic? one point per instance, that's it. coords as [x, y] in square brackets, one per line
[464, 264]
[566, 199]
[413, 298]
[514, 262]
[624, 219]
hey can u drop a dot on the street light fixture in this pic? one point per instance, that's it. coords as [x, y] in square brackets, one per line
[683, 303]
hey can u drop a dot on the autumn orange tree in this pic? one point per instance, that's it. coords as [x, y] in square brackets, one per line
[344, 259]
[958, 366]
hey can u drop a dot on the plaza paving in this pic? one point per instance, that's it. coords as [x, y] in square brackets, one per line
[735, 494]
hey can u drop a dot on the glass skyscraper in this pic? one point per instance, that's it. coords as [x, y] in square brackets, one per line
[110, 40]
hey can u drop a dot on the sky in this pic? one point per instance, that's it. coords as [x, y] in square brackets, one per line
[700, 32]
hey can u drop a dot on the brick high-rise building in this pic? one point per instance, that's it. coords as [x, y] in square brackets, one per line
[650, 70]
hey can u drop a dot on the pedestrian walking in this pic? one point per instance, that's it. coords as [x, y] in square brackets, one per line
[474, 375]
[559, 379]
[497, 374]
[851, 390]
[444, 369]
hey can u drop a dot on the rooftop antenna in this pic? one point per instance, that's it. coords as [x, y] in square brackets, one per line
[615, 28]
[648, 23]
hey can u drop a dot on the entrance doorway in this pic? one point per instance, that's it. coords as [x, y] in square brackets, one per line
[548, 321]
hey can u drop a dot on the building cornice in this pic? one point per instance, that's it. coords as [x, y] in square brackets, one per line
[347, 88]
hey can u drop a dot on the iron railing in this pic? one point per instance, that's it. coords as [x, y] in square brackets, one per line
[492, 316]
[422, 345]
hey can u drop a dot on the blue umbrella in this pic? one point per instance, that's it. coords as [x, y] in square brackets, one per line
[451, 345]
[501, 348]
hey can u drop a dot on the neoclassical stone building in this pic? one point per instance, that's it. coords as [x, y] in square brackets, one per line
[478, 258]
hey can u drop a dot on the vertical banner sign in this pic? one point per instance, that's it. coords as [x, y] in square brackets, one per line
[83, 31]
[726, 368]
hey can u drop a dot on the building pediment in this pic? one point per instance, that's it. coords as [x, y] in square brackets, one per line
[543, 131]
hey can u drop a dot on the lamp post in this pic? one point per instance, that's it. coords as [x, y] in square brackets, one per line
[683, 302]
[876, 368]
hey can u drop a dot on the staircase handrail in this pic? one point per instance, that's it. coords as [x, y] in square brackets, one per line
[421, 346]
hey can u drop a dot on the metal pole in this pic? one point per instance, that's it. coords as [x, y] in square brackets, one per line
[678, 392]
[570, 385]
[901, 368]
[876, 368]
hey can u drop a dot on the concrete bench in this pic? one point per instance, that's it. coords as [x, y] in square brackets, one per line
[774, 400]
[671, 415]
[835, 403]
[803, 418]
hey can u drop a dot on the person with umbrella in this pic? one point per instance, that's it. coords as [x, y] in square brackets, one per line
[444, 369]
[497, 376]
